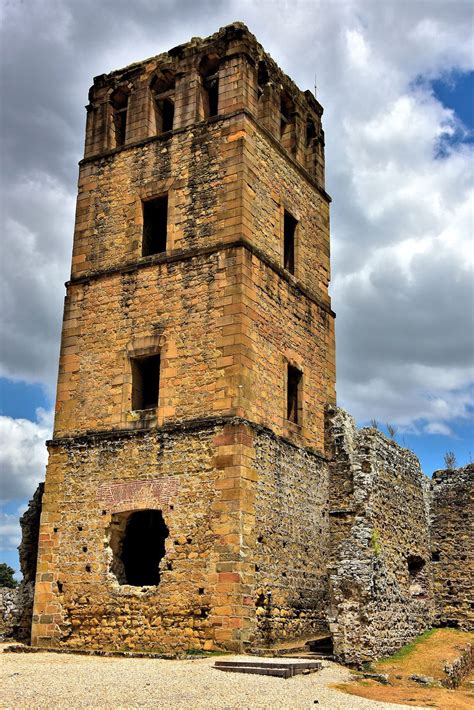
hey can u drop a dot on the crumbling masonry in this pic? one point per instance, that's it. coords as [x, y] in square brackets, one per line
[202, 490]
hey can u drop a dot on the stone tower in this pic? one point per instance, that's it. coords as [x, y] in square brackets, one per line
[185, 494]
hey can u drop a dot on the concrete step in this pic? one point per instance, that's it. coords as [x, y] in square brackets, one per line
[280, 669]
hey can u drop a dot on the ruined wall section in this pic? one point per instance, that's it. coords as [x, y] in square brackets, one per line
[452, 541]
[289, 543]
[194, 477]
[380, 571]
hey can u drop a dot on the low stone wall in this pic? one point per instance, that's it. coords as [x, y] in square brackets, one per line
[380, 570]
[458, 669]
[452, 543]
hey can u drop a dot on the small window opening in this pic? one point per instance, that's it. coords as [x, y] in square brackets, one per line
[155, 226]
[212, 87]
[168, 114]
[310, 131]
[138, 546]
[416, 576]
[119, 101]
[145, 382]
[289, 234]
[163, 91]
[294, 379]
[262, 79]
[209, 70]
[286, 113]
[435, 556]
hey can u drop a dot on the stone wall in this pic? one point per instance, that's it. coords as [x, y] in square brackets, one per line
[452, 544]
[289, 543]
[195, 478]
[380, 568]
[16, 605]
[10, 605]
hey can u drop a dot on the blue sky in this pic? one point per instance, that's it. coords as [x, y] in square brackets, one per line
[397, 89]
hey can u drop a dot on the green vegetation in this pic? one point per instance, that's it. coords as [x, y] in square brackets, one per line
[375, 542]
[6, 576]
[409, 648]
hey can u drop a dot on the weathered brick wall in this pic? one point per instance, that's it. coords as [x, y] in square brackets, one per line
[200, 170]
[452, 544]
[193, 478]
[177, 309]
[289, 542]
[379, 524]
[286, 328]
[273, 184]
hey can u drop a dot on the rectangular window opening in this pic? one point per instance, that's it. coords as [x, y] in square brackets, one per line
[167, 113]
[155, 226]
[289, 240]
[145, 382]
[211, 99]
[120, 123]
[293, 398]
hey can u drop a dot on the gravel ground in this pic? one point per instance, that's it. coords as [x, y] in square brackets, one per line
[50, 680]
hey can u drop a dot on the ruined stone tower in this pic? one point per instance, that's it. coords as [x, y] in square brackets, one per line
[185, 495]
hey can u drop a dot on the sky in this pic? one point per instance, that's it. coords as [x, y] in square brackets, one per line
[396, 79]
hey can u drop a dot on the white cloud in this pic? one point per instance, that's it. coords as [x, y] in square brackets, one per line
[401, 216]
[23, 454]
[10, 531]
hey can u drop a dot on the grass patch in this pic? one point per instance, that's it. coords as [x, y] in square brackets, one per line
[405, 651]
[425, 655]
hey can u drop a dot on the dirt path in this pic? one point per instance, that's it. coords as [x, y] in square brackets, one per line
[49, 680]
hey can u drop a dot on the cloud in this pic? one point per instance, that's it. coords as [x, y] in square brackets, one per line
[23, 454]
[10, 531]
[397, 169]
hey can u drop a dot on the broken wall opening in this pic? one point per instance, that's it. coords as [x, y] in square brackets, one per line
[137, 540]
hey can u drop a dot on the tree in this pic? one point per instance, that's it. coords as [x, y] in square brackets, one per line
[6, 576]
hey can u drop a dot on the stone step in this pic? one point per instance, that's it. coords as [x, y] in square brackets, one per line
[280, 669]
[311, 655]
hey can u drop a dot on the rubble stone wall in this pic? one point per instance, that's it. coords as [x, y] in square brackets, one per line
[452, 544]
[380, 569]
[10, 609]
